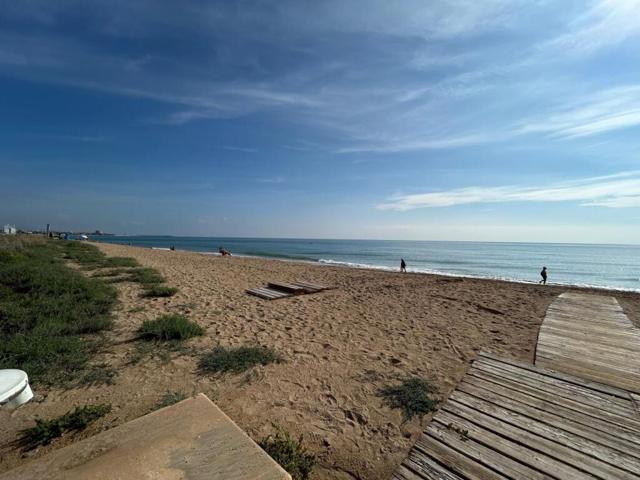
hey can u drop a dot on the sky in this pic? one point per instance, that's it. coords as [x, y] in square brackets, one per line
[492, 120]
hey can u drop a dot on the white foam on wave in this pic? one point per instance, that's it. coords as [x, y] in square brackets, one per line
[428, 271]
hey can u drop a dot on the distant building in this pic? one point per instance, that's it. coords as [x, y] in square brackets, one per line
[9, 229]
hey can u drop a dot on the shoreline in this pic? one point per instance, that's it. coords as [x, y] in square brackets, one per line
[382, 268]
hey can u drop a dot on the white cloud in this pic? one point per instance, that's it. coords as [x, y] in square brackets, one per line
[613, 191]
[607, 23]
[603, 111]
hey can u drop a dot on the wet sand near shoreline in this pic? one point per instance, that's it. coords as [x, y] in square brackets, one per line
[339, 348]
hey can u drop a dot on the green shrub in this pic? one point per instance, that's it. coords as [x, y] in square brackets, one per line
[120, 262]
[412, 396]
[146, 276]
[159, 291]
[171, 398]
[170, 327]
[102, 374]
[289, 453]
[238, 359]
[47, 430]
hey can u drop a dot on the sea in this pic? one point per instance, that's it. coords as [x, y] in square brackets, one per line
[602, 266]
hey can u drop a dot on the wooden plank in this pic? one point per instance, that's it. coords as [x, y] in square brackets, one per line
[456, 461]
[608, 364]
[602, 432]
[611, 338]
[599, 387]
[192, 439]
[590, 336]
[507, 448]
[486, 455]
[286, 287]
[533, 425]
[267, 293]
[539, 377]
[571, 404]
[403, 473]
[312, 287]
[427, 468]
[548, 360]
[567, 391]
[562, 455]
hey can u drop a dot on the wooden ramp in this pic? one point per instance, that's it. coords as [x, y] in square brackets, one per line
[508, 420]
[275, 290]
[190, 440]
[590, 336]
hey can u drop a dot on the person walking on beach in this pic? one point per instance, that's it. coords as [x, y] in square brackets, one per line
[543, 274]
[403, 266]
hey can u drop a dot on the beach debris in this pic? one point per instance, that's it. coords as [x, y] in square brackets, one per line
[275, 290]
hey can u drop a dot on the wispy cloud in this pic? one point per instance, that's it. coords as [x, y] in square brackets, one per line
[389, 78]
[607, 23]
[603, 111]
[614, 191]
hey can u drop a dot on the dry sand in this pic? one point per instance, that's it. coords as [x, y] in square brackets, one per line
[340, 347]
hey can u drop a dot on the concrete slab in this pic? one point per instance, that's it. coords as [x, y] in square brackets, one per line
[191, 440]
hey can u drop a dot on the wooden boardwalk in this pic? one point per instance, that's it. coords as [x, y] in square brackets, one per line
[508, 420]
[591, 337]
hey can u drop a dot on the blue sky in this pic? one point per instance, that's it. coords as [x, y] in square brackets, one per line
[463, 120]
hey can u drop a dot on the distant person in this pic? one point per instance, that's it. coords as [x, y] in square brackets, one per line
[223, 252]
[543, 274]
[172, 248]
[403, 266]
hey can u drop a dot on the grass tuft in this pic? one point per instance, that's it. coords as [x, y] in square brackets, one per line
[170, 327]
[237, 359]
[171, 398]
[159, 291]
[47, 430]
[101, 374]
[412, 396]
[289, 453]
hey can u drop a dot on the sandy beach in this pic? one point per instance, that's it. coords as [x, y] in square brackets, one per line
[339, 348]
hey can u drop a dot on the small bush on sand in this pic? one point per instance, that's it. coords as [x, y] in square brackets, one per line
[237, 359]
[171, 398]
[170, 327]
[289, 453]
[46, 430]
[145, 276]
[412, 396]
[159, 291]
[102, 374]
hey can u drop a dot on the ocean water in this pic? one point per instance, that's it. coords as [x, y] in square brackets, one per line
[605, 266]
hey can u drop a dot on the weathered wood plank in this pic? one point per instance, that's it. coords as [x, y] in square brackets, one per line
[192, 439]
[539, 377]
[486, 455]
[582, 425]
[533, 425]
[512, 421]
[567, 391]
[591, 385]
[590, 336]
[427, 468]
[560, 457]
[286, 287]
[571, 404]
[456, 461]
